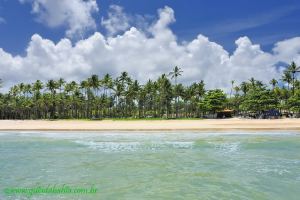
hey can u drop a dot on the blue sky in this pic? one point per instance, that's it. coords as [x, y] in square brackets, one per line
[263, 21]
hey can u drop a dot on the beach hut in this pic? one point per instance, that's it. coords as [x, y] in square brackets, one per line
[226, 113]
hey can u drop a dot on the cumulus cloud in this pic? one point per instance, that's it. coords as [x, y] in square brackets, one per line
[147, 56]
[75, 15]
[118, 21]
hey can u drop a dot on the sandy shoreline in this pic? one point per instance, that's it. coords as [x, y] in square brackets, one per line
[148, 125]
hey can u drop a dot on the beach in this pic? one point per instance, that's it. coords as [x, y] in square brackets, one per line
[150, 125]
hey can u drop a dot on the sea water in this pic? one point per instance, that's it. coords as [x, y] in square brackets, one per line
[153, 165]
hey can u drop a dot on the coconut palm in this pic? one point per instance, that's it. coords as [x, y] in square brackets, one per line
[244, 87]
[293, 69]
[61, 83]
[85, 87]
[94, 83]
[174, 75]
[27, 90]
[52, 86]
[232, 87]
[165, 95]
[38, 86]
[287, 77]
[124, 79]
[252, 82]
[273, 82]
[237, 89]
[107, 82]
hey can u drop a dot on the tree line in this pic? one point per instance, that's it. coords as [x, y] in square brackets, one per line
[123, 97]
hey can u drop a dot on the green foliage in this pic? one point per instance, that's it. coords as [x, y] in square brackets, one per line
[214, 100]
[259, 99]
[294, 102]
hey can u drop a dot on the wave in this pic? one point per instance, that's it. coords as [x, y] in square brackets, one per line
[134, 146]
[145, 135]
[226, 147]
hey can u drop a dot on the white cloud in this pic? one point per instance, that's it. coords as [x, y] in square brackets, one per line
[288, 49]
[118, 21]
[145, 57]
[75, 15]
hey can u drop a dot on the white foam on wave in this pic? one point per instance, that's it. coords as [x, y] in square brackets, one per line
[181, 145]
[143, 135]
[110, 146]
[106, 146]
[273, 170]
[227, 147]
[181, 139]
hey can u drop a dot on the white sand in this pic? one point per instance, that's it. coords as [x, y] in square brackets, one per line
[144, 125]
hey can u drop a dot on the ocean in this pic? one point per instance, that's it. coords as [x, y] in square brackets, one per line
[150, 165]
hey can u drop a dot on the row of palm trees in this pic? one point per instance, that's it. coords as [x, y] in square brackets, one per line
[253, 96]
[123, 97]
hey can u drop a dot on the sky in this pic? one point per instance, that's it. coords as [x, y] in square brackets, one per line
[215, 41]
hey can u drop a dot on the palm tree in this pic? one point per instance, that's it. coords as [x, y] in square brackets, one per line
[175, 74]
[165, 95]
[61, 83]
[252, 81]
[27, 90]
[293, 69]
[132, 95]
[124, 78]
[259, 84]
[273, 82]
[37, 87]
[244, 87]
[236, 89]
[232, 86]
[94, 83]
[107, 83]
[21, 88]
[84, 85]
[52, 86]
[151, 95]
[287, 77]
[122, 84]
[71, 89]
[119, 91]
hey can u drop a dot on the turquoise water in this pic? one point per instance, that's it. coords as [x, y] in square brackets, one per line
[184, 165]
